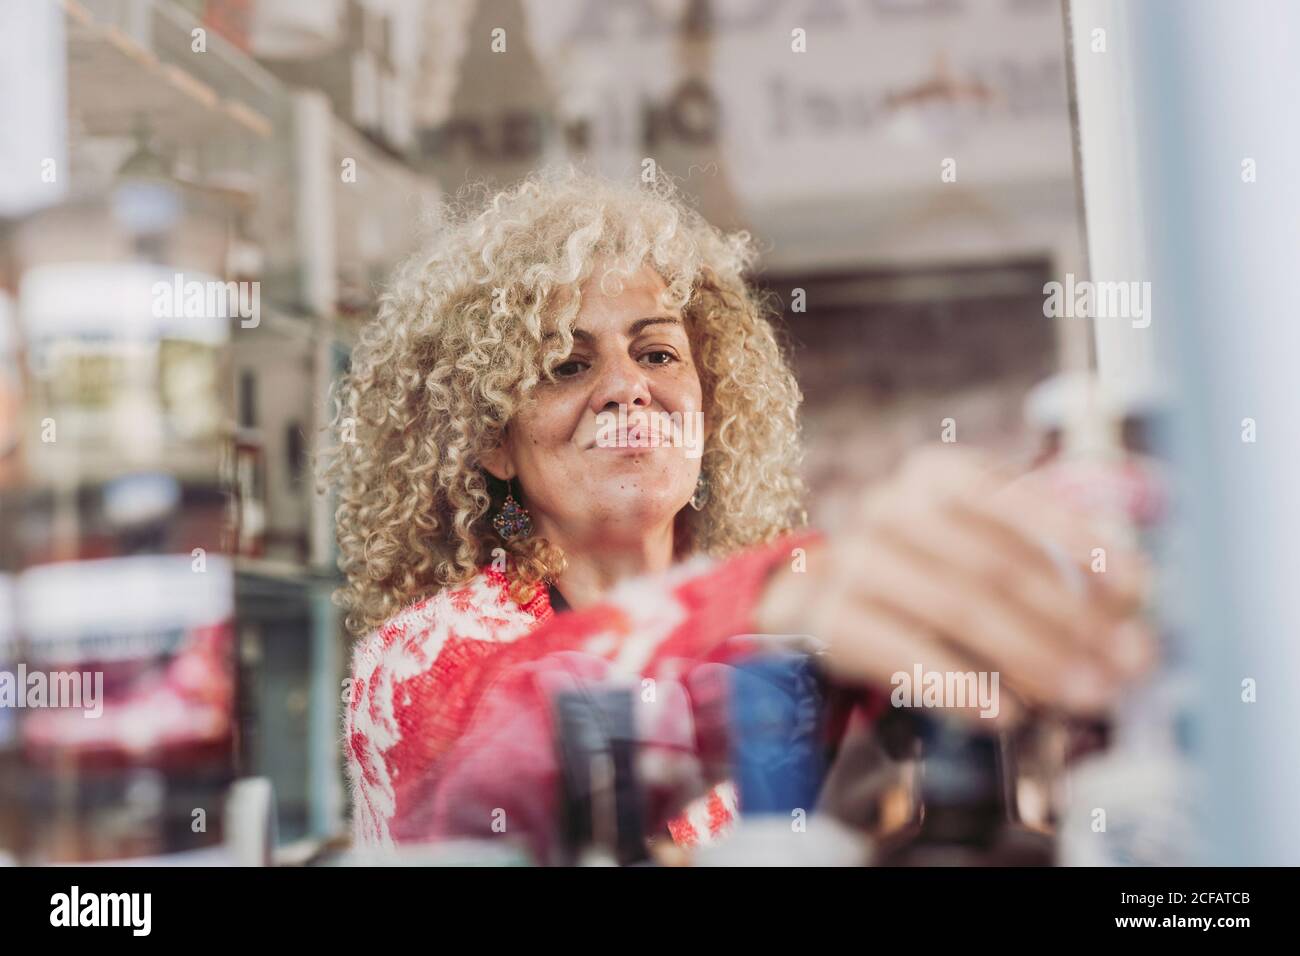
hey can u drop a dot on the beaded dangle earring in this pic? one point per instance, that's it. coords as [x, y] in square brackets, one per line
[701, 496]
[513, 520]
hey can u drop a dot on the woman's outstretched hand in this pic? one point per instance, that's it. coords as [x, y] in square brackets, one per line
[956, 565]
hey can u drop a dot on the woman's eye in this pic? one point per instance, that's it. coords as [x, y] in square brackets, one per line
[659, 357]
[570, 368]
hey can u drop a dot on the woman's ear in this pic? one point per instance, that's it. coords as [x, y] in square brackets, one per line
[497, 463]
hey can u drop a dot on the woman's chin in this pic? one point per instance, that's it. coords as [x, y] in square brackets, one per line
[646, 498]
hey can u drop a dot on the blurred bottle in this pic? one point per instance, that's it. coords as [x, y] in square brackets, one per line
[967, 813]
[777, 747]
[781, 745]
[139, 765]
[1124, 783]
[631, 772]
[602, 804]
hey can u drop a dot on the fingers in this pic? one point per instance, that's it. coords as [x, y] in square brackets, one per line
[896, 581]
[868, 645]
[981, 553]
[953, 538]
[889, 652]
[1097, 601]
[1037, 519]
[1042, 531]
[960, 555]
[1028, 509]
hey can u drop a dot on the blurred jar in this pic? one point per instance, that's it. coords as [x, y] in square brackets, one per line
[11, 797]
[125, 320]
[138, 759]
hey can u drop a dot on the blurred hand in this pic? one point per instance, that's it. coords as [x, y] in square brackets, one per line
[957, 565]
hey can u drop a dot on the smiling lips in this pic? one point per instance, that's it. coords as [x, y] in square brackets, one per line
[634, 438]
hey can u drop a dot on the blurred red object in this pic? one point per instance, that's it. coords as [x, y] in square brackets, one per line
[232, 19]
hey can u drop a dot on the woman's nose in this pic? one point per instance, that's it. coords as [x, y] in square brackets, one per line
[620, 382]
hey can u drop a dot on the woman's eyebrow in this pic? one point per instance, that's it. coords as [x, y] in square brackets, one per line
[633, 330]
[636, 327]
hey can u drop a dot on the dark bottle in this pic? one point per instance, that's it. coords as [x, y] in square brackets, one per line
[967, 815]
[602, 815]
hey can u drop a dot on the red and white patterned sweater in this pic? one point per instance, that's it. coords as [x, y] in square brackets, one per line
[448, 728]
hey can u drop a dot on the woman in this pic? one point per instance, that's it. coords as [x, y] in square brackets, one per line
[573, 400]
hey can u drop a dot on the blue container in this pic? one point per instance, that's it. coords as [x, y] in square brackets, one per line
[777, 711]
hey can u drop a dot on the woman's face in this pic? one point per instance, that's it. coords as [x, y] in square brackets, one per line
[584, 473]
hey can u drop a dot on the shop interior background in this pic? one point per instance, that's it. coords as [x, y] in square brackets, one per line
[910, 175]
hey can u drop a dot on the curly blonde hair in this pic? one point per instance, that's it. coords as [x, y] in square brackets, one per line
[469, 326]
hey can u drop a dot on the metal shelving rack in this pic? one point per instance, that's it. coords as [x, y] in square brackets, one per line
[119, 70]
[132, 62]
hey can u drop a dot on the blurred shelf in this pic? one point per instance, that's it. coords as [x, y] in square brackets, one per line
[131, 67]
[285, 571]
[375, 165]
[283, 322]
[377, 214]
[226, 122]
[114, 80]
[313, 328]
[51, 466]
